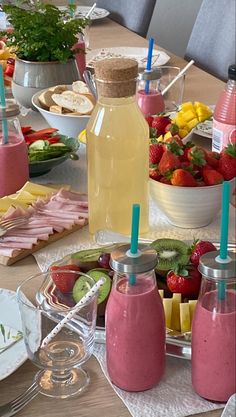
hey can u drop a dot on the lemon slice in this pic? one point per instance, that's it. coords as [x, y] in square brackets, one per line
[82, 136]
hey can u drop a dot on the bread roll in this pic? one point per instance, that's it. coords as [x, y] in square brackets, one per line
[80, 87]
[74, 102]
[45, 98]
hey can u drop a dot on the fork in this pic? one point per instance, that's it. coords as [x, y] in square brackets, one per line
[11, 408]
[6, 225]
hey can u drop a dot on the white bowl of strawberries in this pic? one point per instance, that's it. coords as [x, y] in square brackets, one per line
[186, 180]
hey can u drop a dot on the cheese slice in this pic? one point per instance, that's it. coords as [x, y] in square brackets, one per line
[7, 202]
[36, 189]
[24, 197]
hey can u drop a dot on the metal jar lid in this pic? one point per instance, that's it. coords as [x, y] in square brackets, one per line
[12, 109]
[212, 269]
[150, 75]
[123, 263]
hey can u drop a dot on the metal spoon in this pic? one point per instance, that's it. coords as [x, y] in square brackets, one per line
[88, 78]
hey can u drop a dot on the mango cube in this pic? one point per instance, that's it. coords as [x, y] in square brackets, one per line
[188, 105]
[192, 123]
[179, 120]
[189, 115]
[182, 133]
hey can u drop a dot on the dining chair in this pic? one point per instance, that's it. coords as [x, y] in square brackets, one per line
[134, 15]
[212, 41]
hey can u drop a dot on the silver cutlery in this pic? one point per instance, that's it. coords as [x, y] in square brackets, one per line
[88, 78]
[6, 225]
[14, 406]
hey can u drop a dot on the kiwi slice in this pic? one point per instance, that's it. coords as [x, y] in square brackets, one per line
[83, 285]
[170, 253]
[104, 290]
[88, 259]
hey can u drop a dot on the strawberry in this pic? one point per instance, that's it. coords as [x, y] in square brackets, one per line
[197, 156]
[212, 159]
[227, 162]
[185, 280]
[159, 123]
[212, 177]
[168, 162]
[172, 128]
[155, 153]
[174, 146]
[149, 120]
[198, 249]
[64, 281]
[165, 180]
[154, 173]
[174, 139]
[183, 178]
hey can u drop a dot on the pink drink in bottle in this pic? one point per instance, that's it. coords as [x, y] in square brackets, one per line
[224, 118]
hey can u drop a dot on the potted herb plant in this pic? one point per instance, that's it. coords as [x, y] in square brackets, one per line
[44, 37]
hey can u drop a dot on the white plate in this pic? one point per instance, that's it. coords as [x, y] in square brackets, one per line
[97, 13]
[15, 355]
[204, 129]
[140, 54]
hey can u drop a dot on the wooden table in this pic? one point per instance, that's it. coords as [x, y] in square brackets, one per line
[99, 399]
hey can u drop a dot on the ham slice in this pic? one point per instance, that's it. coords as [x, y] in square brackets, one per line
[60, 211]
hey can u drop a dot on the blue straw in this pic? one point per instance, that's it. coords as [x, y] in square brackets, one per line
[72, 11]
[224, 233]
[149, 62]
[3, 105]
[134, 237]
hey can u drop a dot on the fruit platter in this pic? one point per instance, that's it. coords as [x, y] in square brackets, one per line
[178, 281]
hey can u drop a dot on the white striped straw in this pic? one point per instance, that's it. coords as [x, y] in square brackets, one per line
[72, 313]
[177, 76]
[91, 10]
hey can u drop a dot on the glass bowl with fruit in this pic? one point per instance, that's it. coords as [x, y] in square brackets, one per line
[178, 281]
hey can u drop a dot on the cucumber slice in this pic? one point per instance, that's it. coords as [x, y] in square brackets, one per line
[39, 145]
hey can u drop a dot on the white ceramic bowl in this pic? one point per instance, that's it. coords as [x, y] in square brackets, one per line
[67, 125]
[188, 207]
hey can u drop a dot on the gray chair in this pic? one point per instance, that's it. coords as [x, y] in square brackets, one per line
[133, 14]
[212, 41]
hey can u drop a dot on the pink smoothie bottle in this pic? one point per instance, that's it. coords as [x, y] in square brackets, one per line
[224, 118]
[80, 57]
[148, 95]
[14, 163]
[214, 329]
[135, 324]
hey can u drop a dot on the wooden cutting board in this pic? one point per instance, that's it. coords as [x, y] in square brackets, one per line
[5, 260]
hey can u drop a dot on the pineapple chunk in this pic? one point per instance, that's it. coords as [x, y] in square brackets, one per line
[192, 306]
[185, 324]
[167, 304]
[192, 123]
[160, 138]
[161, 293]
[167, 136]
[175, 317]
[189, 115]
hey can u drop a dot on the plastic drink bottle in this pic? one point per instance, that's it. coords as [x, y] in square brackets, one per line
[214, 330]
[135, 323]
[117, 150]
[13, 152]
[224, 118]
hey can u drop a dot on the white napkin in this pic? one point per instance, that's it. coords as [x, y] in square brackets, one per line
[173, 397]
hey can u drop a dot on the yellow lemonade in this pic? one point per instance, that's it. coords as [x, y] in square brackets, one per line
[117, 156]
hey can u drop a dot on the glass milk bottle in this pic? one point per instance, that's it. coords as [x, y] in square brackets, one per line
[117, 150]
[13, 151]
[135, 324]
[214, 330]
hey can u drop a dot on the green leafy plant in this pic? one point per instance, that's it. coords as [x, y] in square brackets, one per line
[42, 32]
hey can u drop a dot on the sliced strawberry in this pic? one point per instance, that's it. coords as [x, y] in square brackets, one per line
[64, 281]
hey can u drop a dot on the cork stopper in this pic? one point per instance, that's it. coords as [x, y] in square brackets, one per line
[116, 77]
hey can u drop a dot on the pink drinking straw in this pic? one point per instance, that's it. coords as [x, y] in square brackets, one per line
[3, 106]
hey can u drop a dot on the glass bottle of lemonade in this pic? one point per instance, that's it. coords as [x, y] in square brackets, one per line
[117, 150]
